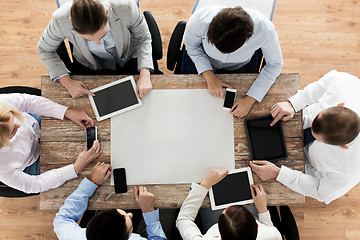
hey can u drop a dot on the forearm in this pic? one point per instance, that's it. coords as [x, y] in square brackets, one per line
[153, 225]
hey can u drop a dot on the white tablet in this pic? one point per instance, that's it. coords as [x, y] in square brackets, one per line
[234, 189]
[114, 98]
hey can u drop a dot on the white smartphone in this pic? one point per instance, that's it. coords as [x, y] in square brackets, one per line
[230, 95]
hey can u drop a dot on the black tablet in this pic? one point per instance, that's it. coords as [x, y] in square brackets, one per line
[114, 98]
[265, 142]
[234, 189]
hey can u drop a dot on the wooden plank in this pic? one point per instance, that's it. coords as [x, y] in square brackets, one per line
[105, 197]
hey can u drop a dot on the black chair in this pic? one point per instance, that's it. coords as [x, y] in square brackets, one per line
[175, 48]
[6, 191]
[157, 51]
[285, 223]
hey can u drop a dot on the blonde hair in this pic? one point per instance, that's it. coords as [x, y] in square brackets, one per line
[5, 111]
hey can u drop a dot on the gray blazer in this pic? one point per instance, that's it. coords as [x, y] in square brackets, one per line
[128, 27]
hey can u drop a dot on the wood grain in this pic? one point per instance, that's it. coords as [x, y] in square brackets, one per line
[61, 140]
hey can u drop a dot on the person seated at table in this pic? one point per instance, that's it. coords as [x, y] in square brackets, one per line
[331, 138]
[234, 223]
[107, 37]
[109, 224]
[224, 40]
[20, 143]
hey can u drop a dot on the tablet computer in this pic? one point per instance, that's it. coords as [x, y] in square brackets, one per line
[114, 98]
[234, 189]
[265, 142]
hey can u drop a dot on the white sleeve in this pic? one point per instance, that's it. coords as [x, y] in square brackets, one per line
[188, 211]
[324, 189]
[312, 92]
[38, 183]
[34, 104]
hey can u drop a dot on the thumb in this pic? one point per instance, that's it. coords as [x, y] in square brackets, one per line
[260, 162]
[226, 85]
[287, 118]
[108, 174]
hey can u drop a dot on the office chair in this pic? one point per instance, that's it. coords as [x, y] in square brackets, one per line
[156, 44]
[285, 222]
[6, 191]
[175, 49]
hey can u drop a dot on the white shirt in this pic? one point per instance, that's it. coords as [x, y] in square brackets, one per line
[330, 171]
[25, 147]
[207, 57]
[189, 209]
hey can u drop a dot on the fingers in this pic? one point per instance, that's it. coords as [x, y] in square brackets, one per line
[81, 124]
[234, 106]
[221, 92]
[85, 90]
[108, 174]
[252, 191]
[260, 162]
[136, 194]
[226, 85]
[278, 117]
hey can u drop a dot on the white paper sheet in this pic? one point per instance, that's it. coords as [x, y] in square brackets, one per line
[175, 137]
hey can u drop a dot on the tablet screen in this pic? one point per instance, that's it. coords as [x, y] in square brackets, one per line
[233, 188]
[115, 98]
[265, 142]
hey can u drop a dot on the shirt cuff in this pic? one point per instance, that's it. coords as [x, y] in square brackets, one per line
[69, 172]
[151, 217]
[265, 216]
[57, 78]
[198, 188]
[88, 187]
[284, 175]
[297, 102]
[60, 114]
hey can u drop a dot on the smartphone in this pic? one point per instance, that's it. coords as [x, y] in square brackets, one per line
[229, 100]
[91, 136]
[120, 180]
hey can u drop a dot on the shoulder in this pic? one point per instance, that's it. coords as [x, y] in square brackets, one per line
[262, 25]
[203, 17]
[267, 232]
[120, 6]
[62, 15]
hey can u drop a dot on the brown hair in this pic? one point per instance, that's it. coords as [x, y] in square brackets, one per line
[337, 125]
[87, 16]
[236, 223]
[5, 111]
[230, 29]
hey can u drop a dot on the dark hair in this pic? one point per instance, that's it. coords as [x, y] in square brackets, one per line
[87, 16]
[108, 225]
[236, 223]
[230, 29]
[337, 125]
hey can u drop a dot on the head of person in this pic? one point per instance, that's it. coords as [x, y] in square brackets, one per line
[237, 223]
[230, 29]
[336, 126]
[113, 224]
[8, 127]
[90, 19]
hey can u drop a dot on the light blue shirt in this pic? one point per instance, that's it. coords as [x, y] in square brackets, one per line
[207, 57]
[65, 222]
[105, 53]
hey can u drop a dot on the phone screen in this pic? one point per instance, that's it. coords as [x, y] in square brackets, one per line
[90, 136]
[120, 180]
[229, 99]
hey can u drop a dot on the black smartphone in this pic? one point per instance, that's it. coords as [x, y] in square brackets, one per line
[120, 180]
[91, 136]
[229, 100]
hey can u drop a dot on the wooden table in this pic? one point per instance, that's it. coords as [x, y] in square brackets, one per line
[62, 141]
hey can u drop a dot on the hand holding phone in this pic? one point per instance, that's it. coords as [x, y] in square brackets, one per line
[91, 136]
[230, 95]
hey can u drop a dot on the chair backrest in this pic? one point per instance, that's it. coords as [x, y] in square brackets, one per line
[6, 191]
[266, 7]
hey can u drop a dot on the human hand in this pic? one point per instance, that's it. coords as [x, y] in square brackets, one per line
[215, 85]
[75, 88]
[259, 196]
[100, 173]
[265, 170]
[79, 117]
[242, 107]
[144, 199]
[213, 177]
[143, 86]
[86, 157]
[282, 110]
